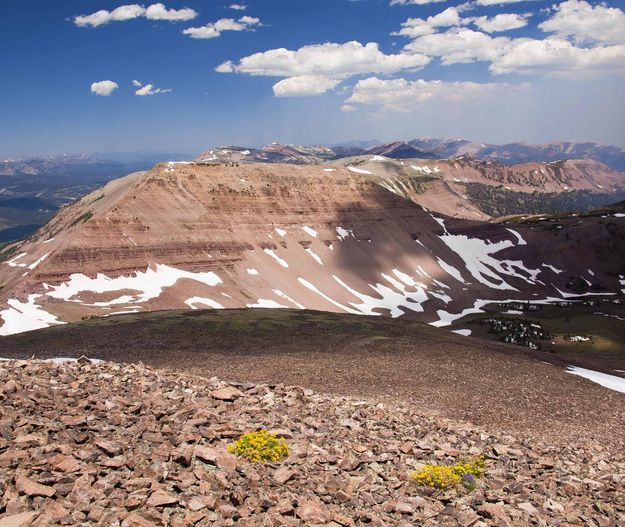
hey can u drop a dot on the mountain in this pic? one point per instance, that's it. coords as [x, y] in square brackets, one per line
[32, 189]
[523, 153]
[189, 235]
[466, 187]
[271, 153]
[399, 150]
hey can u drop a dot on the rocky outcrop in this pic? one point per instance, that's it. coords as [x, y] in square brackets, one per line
[112, 445]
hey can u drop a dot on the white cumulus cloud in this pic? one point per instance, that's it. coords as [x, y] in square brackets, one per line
[584, 22]
[501, 22]
[304, 85]
[416, 27]
[326, 63]
[459, 45]
[238, 7]
[557, 57]
[131, 11]
[406, 95]
[148, 89]
[104, 88]
[215, 29]
[160, 12]
[553, 56]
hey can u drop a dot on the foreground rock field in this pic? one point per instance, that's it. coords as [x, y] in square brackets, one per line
[108, 444]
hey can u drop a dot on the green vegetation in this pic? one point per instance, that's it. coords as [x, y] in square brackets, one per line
[6, 254]
[95, 199]
[419, 184]
[82, 218]
[499, 201]
[602, 323]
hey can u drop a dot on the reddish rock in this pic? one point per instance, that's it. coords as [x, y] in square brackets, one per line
[18, 520]
[227, 394]
[112, 448]
[282, 475]
[29, 487]
[160, 498]
[206, 454]
[311, 512]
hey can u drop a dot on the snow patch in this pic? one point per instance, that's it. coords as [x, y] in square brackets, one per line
[149, 284]
[388, 299]
[360, 171]
[11, 262]
[477, 256]
[519, 238]
[310, 232]
[191, 302]
[37, 262]
[451, 270]
[611, 382]
[271, 253]
[314, 289]
[315, 256]
[288, 298]
[25, 316]
[342, 233]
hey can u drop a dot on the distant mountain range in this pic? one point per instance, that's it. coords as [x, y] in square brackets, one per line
[32, 189]
[424, 149]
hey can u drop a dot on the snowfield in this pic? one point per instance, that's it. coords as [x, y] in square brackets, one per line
[611, 382]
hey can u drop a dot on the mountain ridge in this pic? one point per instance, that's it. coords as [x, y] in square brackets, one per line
[288, 236]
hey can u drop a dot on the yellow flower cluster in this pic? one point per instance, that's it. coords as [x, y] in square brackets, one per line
[444, 477]
[436, 476]
[475, 467]
[260, 447]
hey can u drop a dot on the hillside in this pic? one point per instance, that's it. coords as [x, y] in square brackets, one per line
[351, 355]
[462, 186]
[467, 187]
[33, 189]
[285, 236]
[131, 446]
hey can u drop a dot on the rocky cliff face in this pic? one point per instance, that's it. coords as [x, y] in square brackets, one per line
[193, 235]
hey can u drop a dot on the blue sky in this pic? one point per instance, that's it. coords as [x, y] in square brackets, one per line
[519, 71]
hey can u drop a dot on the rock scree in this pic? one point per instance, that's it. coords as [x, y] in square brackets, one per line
[125, 445]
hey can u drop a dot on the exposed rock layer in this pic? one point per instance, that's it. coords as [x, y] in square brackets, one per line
[189, 235]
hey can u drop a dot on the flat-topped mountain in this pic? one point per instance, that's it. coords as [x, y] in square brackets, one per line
[465, 186]
[189, 235]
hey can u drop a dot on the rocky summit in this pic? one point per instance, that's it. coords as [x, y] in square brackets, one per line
[85, 443]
